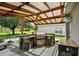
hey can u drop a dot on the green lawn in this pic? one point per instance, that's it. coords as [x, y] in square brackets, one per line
[59, 36]
[6, 36]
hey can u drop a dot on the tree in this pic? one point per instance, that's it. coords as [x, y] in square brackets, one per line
[30, 26]
[10, 22]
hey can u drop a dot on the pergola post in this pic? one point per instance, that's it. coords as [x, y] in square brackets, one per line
[22, 25]
[67, 30]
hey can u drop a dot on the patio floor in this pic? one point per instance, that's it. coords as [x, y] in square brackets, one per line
[13, 50]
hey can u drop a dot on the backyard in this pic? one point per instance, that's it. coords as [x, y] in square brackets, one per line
[4, 36]
[10, 27]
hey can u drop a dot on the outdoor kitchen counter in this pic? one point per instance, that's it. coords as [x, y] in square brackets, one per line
[27, 39]
[70, 43]
[68, 48]
[50, 37]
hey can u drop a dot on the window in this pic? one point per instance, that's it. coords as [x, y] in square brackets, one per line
[58, 30]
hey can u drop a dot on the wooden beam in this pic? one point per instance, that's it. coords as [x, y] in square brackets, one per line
[4, 4]
[21, 14]
[30, 5]
[55, 17]
[48, 17]
[22, 25]
[37, 19]
[62, 8]
[31, 19]
[50, 10]
[10, 14]
[52, 23]
[16, 9]
[56, 8]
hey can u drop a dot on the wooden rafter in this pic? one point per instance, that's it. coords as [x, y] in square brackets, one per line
[4, 4]
[12, 14]
[49, 19]
[42, 18]
[51, 23]
[30, 20]
[33, 20]
[37, 19]
[62, 8]
[16, 8]
[55, 17]
[56, 8]
[30, 5]
[50, 10]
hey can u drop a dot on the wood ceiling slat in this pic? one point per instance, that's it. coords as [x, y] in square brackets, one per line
[37, 19]
[51, 23]
[11, 15]
[29, 19]
[14, 13]
[30, 5]
[42, 18]
[32, 18]
[16, 9]
[55, 17]
[49, 9]
[62, 8]
[39, 5]
[4, 4]
[49, 19]
[59, 7]
[53, 4]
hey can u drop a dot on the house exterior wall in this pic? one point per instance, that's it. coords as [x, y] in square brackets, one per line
[52, 28]
[75, 23]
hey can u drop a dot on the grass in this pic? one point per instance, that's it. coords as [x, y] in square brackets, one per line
[59, 36]
[4, 36]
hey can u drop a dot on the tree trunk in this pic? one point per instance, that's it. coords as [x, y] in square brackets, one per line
[13, 31]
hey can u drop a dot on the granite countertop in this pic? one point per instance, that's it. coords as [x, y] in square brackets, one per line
[70, 43]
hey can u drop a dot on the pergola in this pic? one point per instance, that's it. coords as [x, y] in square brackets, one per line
[37, 12]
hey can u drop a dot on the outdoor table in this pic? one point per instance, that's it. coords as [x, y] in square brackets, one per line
[68, 48]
